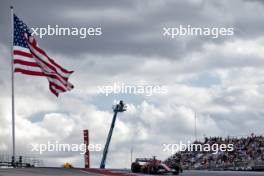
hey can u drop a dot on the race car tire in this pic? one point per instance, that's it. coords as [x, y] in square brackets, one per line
[135, 167]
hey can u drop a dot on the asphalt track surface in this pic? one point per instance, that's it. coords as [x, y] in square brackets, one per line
[78, 172]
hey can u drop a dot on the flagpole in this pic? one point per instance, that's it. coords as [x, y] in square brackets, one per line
[13, 87]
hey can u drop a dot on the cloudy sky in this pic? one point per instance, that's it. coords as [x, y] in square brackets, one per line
[222, 79]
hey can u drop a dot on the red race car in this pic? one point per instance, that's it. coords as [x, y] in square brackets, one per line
[153, 166]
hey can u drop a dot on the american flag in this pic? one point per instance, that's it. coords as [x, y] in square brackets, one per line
[29, 59]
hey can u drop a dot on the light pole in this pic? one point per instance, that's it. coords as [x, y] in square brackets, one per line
[195, 126]
[116, 108]
[131, 156]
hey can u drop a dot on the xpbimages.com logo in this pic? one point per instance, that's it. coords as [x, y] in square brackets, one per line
[82, 32]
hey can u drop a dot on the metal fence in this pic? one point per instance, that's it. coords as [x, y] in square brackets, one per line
[20, 161]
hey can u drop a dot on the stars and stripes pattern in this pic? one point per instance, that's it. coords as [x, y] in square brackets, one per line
[29, 59]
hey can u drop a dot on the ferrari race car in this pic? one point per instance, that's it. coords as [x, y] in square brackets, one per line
[153, 166]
